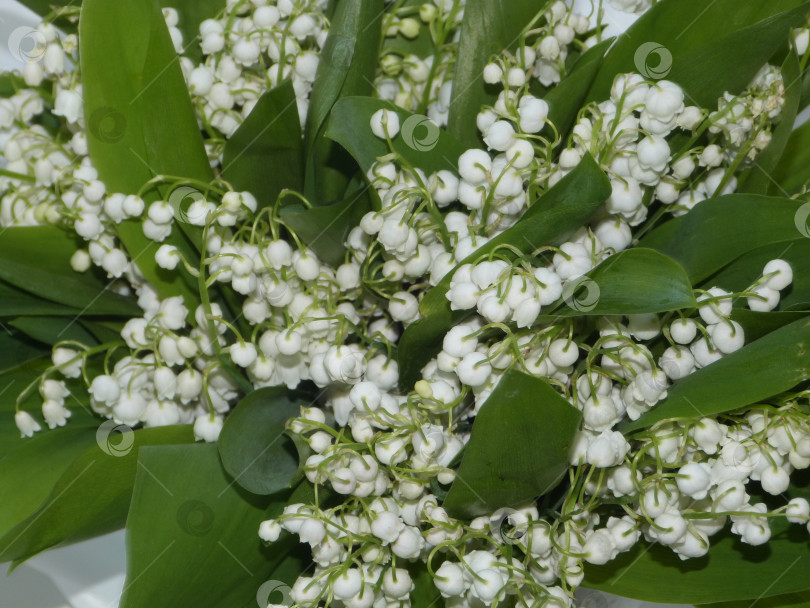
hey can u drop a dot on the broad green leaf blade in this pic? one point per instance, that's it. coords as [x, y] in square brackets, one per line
[707, 48]
[140, 122]
[346, 68]
[761, 369]
[192, 534]
[488, 28]
[265, 155]
[324, 229]
[92, 495]
[518, 449]
[732, 571]
[37, 259]
[565, 99]
[793, 170]
[15, 301]
[549, 221]
[717, 231]
[420, 142]
[254, 449]
[28, 474]
[50, 330]
[635, 281]
[759, 178]
[757, 324]
[800, 599]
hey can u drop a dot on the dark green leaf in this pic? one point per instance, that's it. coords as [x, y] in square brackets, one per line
[761, 369]
[707, 48]
[759, 180]
[635, 281]
[565, 100]
[420, 142]
[254, 449]
[800, 599]
[192, 535]
[104, 472]
[518, 449]
[347, 65]
[717, 231]
[757, 324]
[325, 228]
[793, 170]
[421, 46]
[15, 301]
[140, 122]
[50, 330]
[549, 221]
[37, 260]
[265, 155]
[489, 27]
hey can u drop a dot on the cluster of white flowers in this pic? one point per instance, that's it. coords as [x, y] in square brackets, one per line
[389, 454]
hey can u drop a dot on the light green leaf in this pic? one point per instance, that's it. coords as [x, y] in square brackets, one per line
[761, 369]
[549, 221]
[104, 472]
[254, 449]
[717, 231]
[800, 599]
[488, 28]
[265, 155]
[634, 281]
[518, 449]
[707, 48]
[140, 122]
[192, 535]
[36, 259]
[420, 142]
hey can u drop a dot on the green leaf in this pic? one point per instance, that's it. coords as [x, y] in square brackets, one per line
[44, 7]
[16, 349]
[254, 449]
[635, 281]
[265, 155]
[37, 259]
[549, 221]
[757, 324]
[707, 48]
[105, 472]
[420, 142]
[793, 170]
[28, 474]
[565, 99]
[325, 228]
[15, 301]
[518, 449]
[732, 571]
[719, 230]
[800, 599]
[747, 268]
[192, 535]
[347, 65]
[759, 178]
[50, 330]
[489, 27]
[140, 122]
[761, 369]
[422, 45]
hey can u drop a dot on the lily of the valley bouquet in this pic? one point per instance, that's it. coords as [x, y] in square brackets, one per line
[370, 303]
